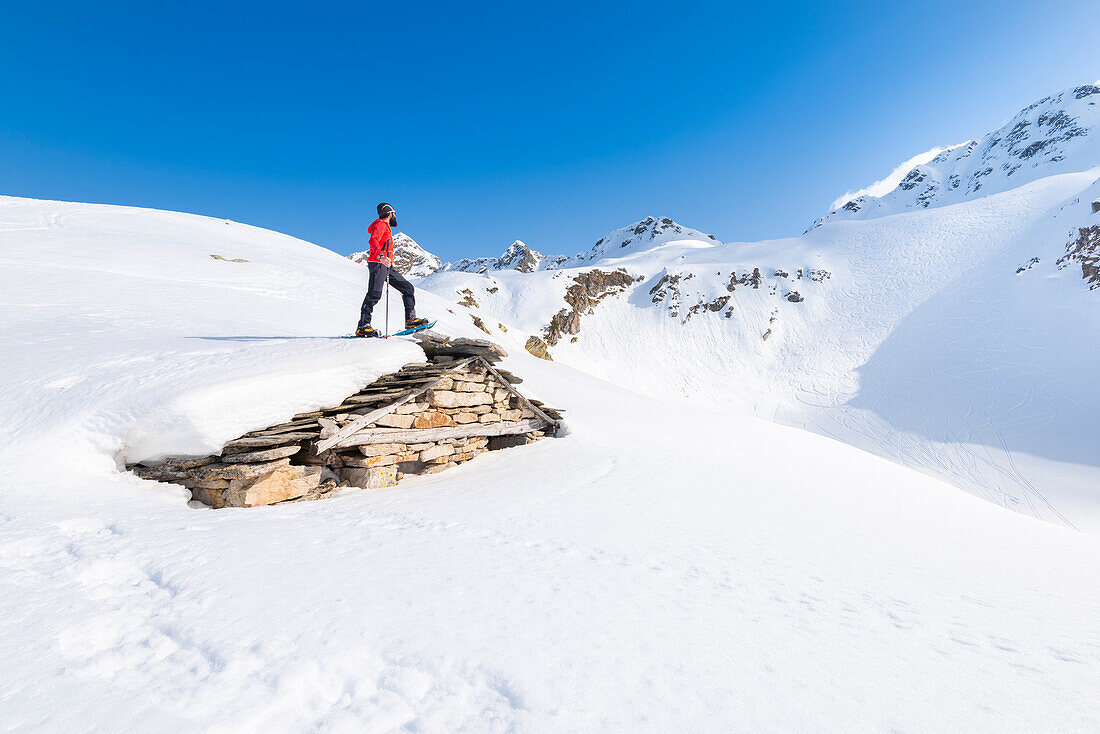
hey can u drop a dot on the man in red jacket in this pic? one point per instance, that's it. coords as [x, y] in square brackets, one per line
[380, 264]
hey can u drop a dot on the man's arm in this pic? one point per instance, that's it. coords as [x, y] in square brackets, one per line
[379, 235]
[378, 238]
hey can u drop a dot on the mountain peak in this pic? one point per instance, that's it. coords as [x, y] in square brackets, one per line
[1057, 134]
[518, 256]
[645, 234]
[409, 258]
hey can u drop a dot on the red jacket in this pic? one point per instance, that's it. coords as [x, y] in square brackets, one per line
[381, 241]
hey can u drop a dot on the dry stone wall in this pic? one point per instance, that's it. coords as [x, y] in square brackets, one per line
[424, 419]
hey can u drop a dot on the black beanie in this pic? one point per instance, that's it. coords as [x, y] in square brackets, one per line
[383, 207]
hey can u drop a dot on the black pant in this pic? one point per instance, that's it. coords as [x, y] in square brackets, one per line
[378, 273]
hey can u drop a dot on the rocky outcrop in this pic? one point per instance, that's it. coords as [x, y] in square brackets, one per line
[586, 292]
[538, 347]
[1085, 251]
[480, 324]
[467, 298]
[669, 289]
[423, 419]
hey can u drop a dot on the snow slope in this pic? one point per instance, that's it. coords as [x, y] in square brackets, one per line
[955, 336]
[663, 567]
[914, 337]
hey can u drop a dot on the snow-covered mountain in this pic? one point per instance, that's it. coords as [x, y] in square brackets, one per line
[409, 258]
[1054, 135]
[833, 331]
[642, 236]
[517, 257]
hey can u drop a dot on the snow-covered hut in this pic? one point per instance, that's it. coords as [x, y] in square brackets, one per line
[422, 419]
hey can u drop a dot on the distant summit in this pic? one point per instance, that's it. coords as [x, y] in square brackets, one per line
[642, 236]
[518, 256]
[409, 258]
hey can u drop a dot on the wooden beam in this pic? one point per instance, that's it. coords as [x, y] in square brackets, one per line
[362, 422]
[427, 435]
[531, 406]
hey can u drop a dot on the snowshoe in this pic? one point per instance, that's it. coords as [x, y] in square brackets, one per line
[411, 327]
[366, 331]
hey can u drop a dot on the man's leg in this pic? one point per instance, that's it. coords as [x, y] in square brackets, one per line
[405, 288]
[374, 293]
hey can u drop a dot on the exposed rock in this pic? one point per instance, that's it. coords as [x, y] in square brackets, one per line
[395, 420]
[280, 485]
[433, 419]
[378, 449]
[450, 399]
[436, 452]
[538, 347]
[439, 348]
[241, 445]
[364, 462]
[372, 478]
[586, 292]
[1085, 250]
[468, 298]
[1028, 265]
[177, 463]
[235, 471]
[480, 324]
[260, 456]
[436, 468]
[795, 297]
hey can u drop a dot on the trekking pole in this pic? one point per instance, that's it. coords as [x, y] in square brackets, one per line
[387, 303]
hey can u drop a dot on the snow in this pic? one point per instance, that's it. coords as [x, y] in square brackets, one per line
[886, 185]
[923, 345]
[664, 567]
[1054, 135]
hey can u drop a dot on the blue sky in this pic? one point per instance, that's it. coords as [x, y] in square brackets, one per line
[483, 123]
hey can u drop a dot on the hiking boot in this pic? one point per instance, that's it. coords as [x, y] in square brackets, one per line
[366, 331]
[413, 323]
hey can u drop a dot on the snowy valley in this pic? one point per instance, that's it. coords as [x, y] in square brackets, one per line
[842, 481]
